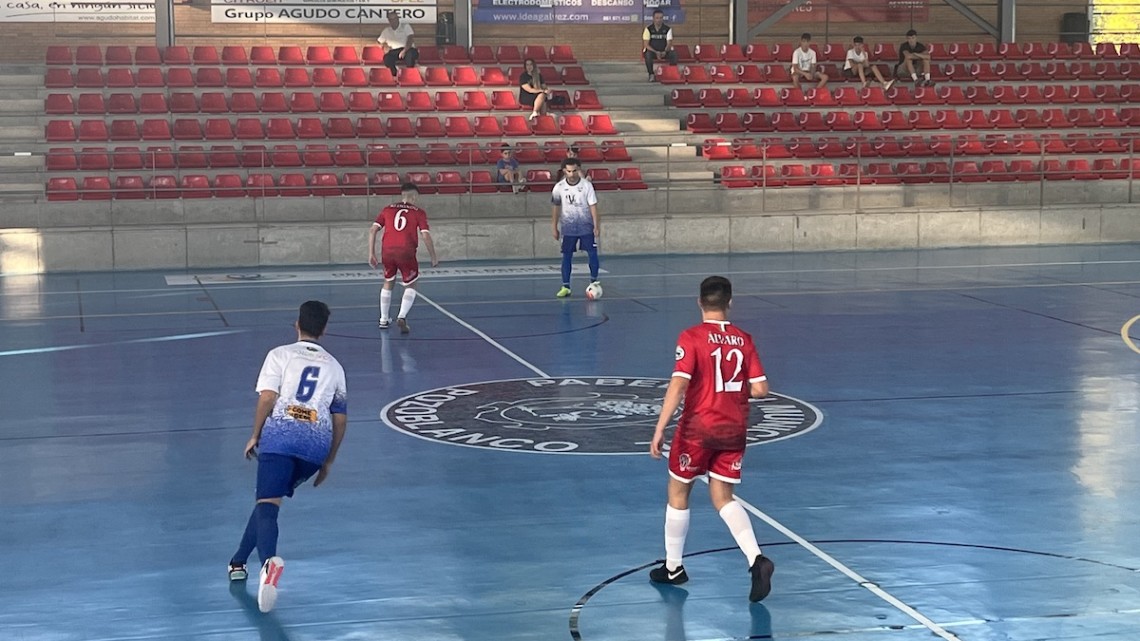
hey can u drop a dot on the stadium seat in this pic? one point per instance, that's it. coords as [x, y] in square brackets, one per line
[163, 187]
[297, 77]
[429, 127]
[736, 177]
[478, 101]
[419, 101]
[460, 127]
[317, 155]
[470, 154]
[447, 101]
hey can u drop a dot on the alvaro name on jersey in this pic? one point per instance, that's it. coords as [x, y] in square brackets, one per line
[310, 384]
[721, 364]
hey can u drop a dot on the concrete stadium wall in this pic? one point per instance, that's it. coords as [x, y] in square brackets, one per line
[180, 234]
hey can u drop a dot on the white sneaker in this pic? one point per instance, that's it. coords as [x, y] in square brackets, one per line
[533, 115]
[267, 585]
[888, 84]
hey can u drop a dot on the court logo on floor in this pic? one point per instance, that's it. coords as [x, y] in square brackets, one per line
[564, 415]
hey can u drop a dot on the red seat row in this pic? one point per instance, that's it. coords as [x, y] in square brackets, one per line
[243, 78]
[333, 127]
[302, 102]
[898, 120]
[826, 174]
[740, 98]
[120, 55]
[915, 146]
[978, 71]
[321, 155]
[887, 52]
[257, 185]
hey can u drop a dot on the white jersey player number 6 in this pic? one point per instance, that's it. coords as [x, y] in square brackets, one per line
[400, 221]
[733, 384]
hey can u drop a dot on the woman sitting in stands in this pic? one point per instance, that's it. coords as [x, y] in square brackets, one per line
[533, 91]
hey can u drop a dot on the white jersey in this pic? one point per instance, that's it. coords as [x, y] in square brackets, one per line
[396, 38]
[311, 388]
[574, 203]
[855, 58]
[804, 60]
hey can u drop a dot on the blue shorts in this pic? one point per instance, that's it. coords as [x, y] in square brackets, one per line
[278, 475]
[571, 244]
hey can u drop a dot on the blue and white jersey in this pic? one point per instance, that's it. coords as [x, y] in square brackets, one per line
[311, 388]
[574, 200]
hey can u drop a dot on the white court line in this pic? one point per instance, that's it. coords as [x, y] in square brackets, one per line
[527, 301]
[154, 339]
[485, 337]
[827, 558]
[849, 573]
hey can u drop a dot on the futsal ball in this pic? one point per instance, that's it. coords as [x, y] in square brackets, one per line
[593, 291]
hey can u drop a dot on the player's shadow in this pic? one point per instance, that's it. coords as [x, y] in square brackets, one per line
[674, 600]
[761, 621]
[267, 625]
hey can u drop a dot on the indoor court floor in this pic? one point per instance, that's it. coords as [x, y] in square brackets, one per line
[952, 451]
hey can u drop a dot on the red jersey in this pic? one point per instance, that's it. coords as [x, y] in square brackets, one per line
[402, 223]
[721, 364]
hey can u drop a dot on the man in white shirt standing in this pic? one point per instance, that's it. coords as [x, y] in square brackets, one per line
[398, 41]
[804, 64]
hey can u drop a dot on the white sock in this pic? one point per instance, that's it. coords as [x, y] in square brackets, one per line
[676, 529]
[926, 75]
[914, 76]
[740, 525]
[406, 302]
[385, 303]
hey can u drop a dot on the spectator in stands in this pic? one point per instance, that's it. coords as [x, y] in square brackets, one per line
[657, 43]
[507, 170]
[533, 91]
[858, 62]
[398, 41]
[915, 55]
[804, 64]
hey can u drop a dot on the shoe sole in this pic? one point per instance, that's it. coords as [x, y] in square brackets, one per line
[403, 325]
[267, 590]
[766, 572]
[238, 575]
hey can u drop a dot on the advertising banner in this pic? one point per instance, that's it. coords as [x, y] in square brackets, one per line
[322, 11]
[67, 11]
[819, 11]
[590, 12]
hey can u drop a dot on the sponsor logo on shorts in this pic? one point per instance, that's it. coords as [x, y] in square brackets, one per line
[570, 415]
[683, 461]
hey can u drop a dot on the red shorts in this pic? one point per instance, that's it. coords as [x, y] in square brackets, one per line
[402, 260]
[688, 460]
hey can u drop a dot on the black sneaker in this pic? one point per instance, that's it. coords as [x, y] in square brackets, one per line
[761, 570]
[663, 575]
[402, 323]
[238, 572]
[383, 323]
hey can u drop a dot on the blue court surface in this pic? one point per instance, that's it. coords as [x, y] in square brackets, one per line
[952, 451]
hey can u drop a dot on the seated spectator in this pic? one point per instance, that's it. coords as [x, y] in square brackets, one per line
[507, 170]
[913, 55]
[657, 43]
[858, 62]
[533, 91]
[804, 64]
[398, 42]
